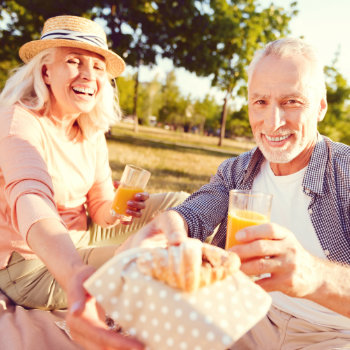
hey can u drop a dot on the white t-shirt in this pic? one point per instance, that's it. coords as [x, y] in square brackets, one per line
[290, 209]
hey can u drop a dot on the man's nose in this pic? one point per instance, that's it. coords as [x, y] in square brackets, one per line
[275, 118]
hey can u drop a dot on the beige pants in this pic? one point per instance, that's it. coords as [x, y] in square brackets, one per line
[281, 331]
[28, 282]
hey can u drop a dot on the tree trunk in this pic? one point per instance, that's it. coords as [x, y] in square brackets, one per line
[134, 112]
[223, 119]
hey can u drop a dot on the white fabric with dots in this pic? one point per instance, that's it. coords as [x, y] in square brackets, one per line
[165, 318]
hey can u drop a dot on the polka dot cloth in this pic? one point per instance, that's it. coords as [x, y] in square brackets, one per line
[164, 318]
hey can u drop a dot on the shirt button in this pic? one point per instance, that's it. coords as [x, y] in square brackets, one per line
[310, 211]
[326, 251]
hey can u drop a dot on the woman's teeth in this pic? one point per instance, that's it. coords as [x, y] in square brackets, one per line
[81, 90]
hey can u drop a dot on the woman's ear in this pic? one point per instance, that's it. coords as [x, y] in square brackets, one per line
[45, 74]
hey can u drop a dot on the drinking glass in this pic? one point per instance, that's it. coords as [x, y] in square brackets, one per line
[133, 180]
[246, 208]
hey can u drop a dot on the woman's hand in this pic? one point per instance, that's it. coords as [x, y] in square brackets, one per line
[86, 319]
[135, 206]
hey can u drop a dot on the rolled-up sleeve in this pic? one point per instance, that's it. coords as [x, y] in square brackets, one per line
[26, 177]
[207, 207]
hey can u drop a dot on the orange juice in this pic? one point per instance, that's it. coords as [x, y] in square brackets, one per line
[122, 196]
[239, 219]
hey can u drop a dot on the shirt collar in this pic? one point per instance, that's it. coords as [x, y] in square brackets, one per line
[314, 179]
[315, 172]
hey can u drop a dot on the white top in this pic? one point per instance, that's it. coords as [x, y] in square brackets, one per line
[290, 209]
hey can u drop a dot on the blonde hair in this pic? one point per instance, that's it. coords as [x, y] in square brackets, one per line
[289, 47]
[27, 88]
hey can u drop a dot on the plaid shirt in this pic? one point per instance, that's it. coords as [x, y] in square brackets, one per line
[326, 181]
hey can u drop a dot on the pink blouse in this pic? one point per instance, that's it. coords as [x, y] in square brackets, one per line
[54, 177]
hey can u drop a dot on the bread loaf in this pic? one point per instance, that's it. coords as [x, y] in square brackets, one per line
[188, 266]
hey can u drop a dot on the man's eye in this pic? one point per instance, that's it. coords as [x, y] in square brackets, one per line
[73, 61]
[260, 102]
[99, 68]
[292, 102]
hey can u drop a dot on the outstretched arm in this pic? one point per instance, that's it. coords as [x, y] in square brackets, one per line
[50, 241]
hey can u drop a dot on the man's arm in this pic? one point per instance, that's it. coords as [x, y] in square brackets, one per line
[294, 271]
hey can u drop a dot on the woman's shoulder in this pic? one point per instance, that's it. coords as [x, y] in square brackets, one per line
[17, 120]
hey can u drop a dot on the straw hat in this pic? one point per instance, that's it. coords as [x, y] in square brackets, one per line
[72, 31]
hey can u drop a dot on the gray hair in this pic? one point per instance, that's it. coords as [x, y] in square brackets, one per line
[27, 88]
[289, 47]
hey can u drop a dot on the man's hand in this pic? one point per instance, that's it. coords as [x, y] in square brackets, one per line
[270, 248]
[168, 227]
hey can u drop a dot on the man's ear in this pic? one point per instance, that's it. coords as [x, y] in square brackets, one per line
[46, 74]
[322, 109]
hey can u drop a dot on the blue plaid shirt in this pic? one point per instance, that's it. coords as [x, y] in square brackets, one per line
[326, 181]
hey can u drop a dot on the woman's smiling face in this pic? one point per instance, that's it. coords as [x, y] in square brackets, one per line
[75, 79]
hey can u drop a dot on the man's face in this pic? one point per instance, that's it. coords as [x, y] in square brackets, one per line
[284, 108]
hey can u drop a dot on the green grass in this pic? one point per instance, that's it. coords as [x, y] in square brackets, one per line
[177, 161]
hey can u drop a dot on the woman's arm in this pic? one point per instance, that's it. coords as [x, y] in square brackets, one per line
[50, 240]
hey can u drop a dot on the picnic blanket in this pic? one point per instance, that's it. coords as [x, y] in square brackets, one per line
[22, 329]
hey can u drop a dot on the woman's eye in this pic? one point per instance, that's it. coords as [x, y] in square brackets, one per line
[73, 61]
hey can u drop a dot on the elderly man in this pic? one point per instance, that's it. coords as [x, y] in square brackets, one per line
[308, 241]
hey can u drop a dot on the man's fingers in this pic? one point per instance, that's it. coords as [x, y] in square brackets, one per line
[264, 231]
[258, 249]
[261, 265]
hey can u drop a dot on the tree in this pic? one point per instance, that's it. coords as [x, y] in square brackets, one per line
[173, 111]
[126, 87]
[336, 124]
[213, 38]
[137, 29]
[230, 33]
[150, 95]
[205, 115]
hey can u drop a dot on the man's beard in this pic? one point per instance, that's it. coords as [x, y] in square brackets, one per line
[281, 155]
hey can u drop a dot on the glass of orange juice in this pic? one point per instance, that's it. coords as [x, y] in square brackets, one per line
[133, 180]
[246, 208]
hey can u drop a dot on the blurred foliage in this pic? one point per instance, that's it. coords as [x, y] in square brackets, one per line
[336, 123]
[212, 38]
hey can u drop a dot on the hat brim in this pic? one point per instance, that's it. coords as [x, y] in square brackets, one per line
[114, 63]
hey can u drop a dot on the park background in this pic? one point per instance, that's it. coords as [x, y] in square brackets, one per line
[184, 90]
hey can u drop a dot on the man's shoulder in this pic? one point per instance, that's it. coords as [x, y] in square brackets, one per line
[338, 150]
[241, 160]
[237, 166]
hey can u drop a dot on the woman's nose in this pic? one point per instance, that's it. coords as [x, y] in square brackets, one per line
[87, 72]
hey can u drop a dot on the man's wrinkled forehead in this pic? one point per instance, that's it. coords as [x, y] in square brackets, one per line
[292, 74]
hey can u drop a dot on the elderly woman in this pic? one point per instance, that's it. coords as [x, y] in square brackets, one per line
[54, 170]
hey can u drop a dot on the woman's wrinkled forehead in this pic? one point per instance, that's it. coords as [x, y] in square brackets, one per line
[64, 51]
